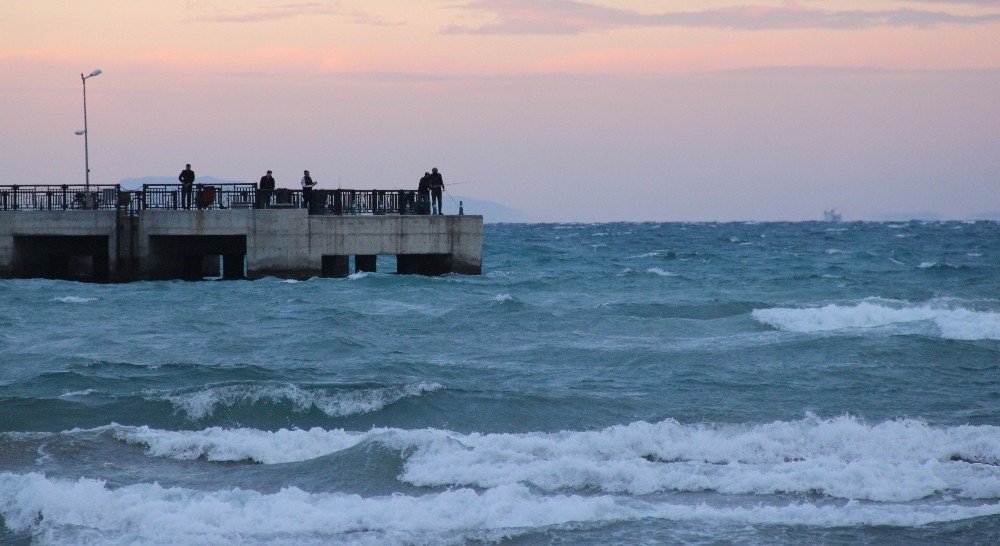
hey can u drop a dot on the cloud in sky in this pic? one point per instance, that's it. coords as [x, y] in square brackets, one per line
[577, 17]
[288, 11]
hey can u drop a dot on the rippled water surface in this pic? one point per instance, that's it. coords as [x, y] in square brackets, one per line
[612, 383]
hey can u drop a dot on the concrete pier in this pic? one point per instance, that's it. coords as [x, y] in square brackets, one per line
[110, 246]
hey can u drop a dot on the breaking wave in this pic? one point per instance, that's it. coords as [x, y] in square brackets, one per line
[948, 323]
[502, 298]
[844, 458]
[64, 511]
[340, 402]
[74, 299]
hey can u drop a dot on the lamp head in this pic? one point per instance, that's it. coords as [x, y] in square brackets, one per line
[81, 133]
[96, 72]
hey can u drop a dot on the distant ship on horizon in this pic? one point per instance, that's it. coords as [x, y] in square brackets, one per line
[831, 215]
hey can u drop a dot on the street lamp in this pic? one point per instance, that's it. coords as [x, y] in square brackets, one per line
[86, 147]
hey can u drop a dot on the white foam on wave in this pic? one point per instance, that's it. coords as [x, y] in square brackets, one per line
[501, 298]
[659, 272]
[897, 461]
[651, 254]
[74, 299]
[834, 251]
[333, 402]
[75, 394]
[358, 275]
[242, 444]
[64, 511]
[950, 323]
[628, 271]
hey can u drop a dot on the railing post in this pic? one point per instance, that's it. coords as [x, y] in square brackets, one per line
[173, 196]
[65, 201]
[15, 196]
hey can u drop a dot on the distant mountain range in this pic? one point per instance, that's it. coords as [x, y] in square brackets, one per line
[491, 212]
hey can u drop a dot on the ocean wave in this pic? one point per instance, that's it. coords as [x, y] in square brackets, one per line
[659, 272]
[628, 271]
[75, 394]
[335, 402]
[654, 253]
[940, 266]
[893, 461]
[238, 445]
[74, 299]
[65, 511]
[949, 323]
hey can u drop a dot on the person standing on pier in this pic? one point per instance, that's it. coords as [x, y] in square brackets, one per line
[437, 186]
[187, 184]
[424, 194]
[307, 189]
[264, 191]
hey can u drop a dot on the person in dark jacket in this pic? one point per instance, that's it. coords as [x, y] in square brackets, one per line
[307, 188]
[264, 191]
[187, 184]
[437, 186]
[424, 193]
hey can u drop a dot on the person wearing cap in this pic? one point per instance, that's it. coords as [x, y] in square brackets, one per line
[424, 194]
[307, 188]
[437, 186]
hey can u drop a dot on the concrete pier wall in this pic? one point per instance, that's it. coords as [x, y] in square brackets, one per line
[167, 244]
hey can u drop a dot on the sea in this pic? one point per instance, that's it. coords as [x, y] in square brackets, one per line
[621, 383]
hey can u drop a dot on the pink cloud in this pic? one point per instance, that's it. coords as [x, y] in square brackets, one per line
[288, 11]
[577, 17]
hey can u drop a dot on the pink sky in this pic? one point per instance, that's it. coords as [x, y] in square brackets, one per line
[662, 110]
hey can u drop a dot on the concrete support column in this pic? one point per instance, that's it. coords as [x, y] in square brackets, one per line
[336, 266]
[365, 263]
[232, 266]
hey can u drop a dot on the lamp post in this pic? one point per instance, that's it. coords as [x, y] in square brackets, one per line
[86, 144]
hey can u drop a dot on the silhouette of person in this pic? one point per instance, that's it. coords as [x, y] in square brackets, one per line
[187, 184]
[437, 186]
[307, 188]
[264, 191]
[424, 193]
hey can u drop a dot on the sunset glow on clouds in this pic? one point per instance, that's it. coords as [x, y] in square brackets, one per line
[209, 74]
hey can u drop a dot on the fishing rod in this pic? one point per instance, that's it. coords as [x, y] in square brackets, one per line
[449, 195]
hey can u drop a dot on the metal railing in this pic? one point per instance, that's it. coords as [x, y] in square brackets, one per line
[207, 197]
[375, 202]
[62, 197]
[199, 196]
